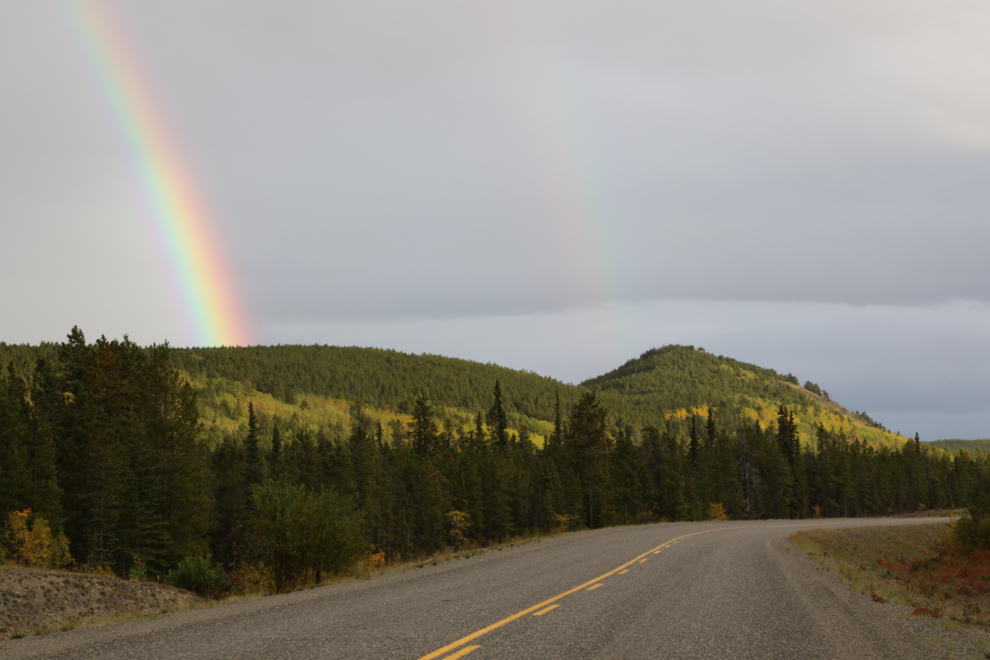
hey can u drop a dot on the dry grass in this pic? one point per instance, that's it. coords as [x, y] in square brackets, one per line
[910, 565]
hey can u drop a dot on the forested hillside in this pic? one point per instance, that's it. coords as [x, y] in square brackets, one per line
[377, 377]
[136, 465]
[971, 446]
[681, 380]
[671, 381]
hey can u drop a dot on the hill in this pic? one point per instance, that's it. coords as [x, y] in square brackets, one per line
[377, 377]
[680, 380]
[972, 446]
[672, 381]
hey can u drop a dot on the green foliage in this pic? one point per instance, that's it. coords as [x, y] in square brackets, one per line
[104, 443]
[971, 446]
[379, 378]
[866, 419]
[296, 531]
[972, 530]
[498, 421]
[200, 574]
[680, 377]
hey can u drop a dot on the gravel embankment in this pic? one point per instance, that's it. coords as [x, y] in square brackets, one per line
[34, 598]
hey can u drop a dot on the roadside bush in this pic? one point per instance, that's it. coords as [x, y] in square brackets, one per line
[255, 578]
[972, 530]
[460, 523]
[200, 574]
[717, 512]
[296, 531]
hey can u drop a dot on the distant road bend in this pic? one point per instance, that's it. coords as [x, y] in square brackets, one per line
[675, 590]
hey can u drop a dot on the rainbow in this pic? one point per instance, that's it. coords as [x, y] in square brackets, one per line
[202, 284]
[576, 199]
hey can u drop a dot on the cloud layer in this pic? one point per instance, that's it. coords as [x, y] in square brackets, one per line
[386, 165]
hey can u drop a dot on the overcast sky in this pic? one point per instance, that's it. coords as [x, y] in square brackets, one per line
[555, 186]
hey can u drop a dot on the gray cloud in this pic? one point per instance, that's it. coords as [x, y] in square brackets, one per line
[394, 165]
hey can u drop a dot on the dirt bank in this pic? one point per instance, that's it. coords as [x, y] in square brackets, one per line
[36, 600]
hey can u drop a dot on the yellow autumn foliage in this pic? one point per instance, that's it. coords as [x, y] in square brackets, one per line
[35, 545]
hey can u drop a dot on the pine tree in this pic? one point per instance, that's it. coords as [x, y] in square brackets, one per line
[275, 455]
[498, 421]
[253, 471]
[424, 428]
[45, 497]
[478, 436]
[555, 440]
[587, 445]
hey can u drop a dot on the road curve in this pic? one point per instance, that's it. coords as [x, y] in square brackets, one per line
[675, 590]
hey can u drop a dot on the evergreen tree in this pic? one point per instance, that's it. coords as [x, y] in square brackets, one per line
[587, 445]
[276, 451]
[424, 428]
[498, 421]
[253, 469]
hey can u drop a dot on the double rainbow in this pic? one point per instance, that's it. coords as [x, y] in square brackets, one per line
[203, 284]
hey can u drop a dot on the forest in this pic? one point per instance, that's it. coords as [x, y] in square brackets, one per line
[122, 451]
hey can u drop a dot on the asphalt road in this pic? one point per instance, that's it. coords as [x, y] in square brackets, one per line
[679, 590]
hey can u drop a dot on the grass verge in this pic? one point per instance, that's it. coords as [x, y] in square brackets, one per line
[910, 565]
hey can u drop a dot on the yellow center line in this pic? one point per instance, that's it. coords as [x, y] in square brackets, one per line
[509, 619]
[623, 572]
[545, 610]
[463, 652]
[594, 586]
[643, 561]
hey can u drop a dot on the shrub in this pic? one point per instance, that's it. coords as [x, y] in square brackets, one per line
[296, 531]
[565, 523]
[376, 560]
[460, 522]
[255, 578]
[36, 545]
[200, 574]
[717, 512]
[972, 530]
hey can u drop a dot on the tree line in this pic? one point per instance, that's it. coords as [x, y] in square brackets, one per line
[104, 442]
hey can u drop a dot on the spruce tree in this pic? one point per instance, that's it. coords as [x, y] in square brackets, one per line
[557, 438]
[275, 456]
[253, 473]
[424, 428]
[478, 436]
[498, 421]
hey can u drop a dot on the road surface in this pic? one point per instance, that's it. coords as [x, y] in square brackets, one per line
[675, 590]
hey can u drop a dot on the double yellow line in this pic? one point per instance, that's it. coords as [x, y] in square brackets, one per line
[540, 606]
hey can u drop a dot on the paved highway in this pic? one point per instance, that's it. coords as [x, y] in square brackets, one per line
[677, 590]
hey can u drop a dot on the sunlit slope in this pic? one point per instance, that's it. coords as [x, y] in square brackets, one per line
[223, 406]
[679, 380]
[383, 379]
